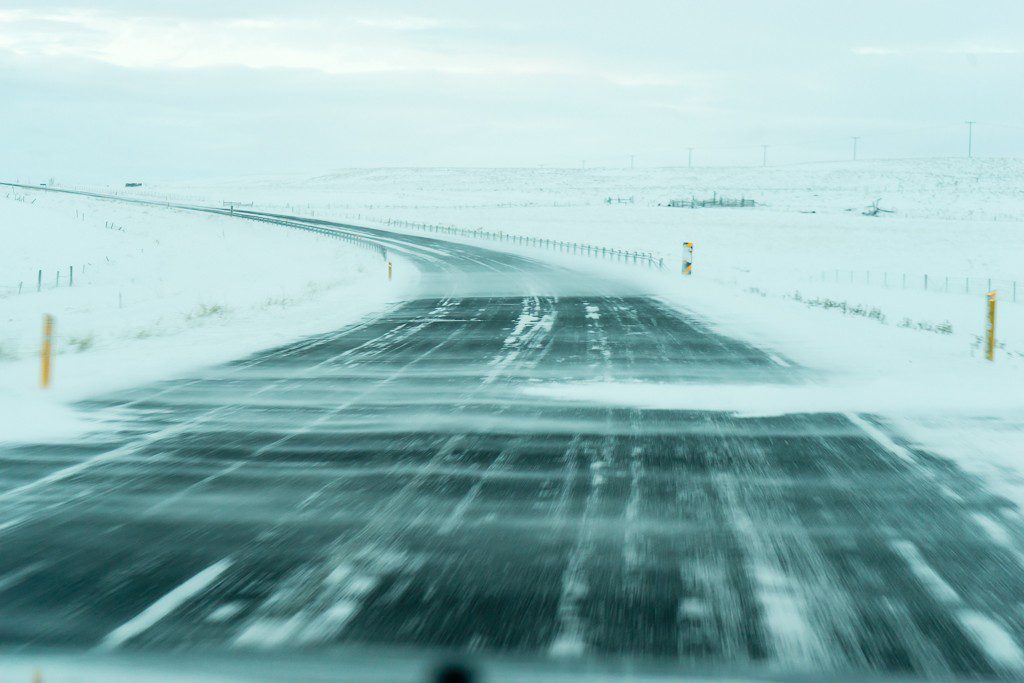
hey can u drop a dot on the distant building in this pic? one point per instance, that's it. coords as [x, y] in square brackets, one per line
[133, 184]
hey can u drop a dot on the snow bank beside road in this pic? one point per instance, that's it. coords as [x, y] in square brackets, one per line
[156, 292]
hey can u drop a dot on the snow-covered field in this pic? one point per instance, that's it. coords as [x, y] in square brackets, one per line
[804, 273]
[157, 291]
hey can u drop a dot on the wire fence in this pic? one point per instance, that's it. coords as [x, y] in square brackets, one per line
[584, 249]
[1009, 290]
[715, 201]
[43, 281]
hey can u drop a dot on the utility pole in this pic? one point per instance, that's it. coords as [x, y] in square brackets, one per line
[855, 139]
[764, 155]
[970, 138]
[689, 157]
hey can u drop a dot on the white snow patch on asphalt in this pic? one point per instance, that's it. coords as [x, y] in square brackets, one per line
[881, 438]
[994, 530]
[994, 639]
[759, 400]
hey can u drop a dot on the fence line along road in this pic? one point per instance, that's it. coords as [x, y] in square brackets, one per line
[1008, 289]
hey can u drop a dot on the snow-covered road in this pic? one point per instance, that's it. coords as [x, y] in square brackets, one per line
[403, 482]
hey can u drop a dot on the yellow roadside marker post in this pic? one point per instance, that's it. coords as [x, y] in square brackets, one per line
[47, 350]
[389, 271]
[990, 349]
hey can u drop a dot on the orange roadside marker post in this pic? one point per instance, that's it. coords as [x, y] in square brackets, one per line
[47, 350]
[990, 328]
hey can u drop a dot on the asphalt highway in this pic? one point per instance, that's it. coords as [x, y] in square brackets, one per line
[399, 485]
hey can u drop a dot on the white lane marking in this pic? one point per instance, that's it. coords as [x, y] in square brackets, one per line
[881, 438]
[164, 606]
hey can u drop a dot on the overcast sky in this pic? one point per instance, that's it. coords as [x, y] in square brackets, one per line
[111, 88]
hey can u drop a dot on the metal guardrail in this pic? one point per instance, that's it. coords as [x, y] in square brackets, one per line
[366, 243]
[643, 258]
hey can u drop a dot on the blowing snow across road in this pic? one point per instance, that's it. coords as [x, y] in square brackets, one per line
[403, 483]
